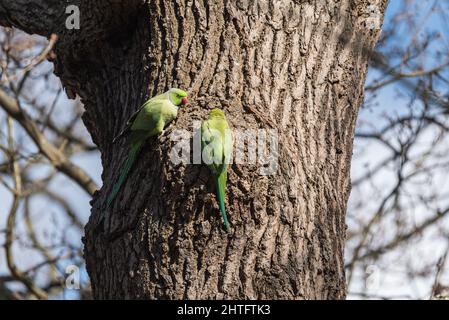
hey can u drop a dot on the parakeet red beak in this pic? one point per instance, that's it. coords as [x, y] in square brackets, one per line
[185, 101]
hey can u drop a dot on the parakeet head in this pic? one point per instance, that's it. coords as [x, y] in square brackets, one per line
[217, 113]
[178, 97]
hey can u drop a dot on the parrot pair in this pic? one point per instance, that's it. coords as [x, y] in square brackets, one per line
[150, 120]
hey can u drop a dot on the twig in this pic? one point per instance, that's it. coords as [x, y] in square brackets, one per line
[440, 267]
[56, 157]
[15, 272]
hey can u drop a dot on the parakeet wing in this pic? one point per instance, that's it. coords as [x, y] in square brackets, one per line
[217, 137]
[147, 118]
[133, 117]
[211, 149]
[148, 104]
[227, 148]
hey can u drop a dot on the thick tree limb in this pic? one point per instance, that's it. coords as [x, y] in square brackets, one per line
[105, 27]
[48, 16]
[32, 16]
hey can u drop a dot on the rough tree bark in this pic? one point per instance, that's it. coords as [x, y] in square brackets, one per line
[298, 66]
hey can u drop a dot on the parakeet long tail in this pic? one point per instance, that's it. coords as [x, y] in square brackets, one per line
[221, 187]
[135, 148]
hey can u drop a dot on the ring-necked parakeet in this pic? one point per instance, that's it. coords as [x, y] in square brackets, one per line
[216, 141]
[148, 121]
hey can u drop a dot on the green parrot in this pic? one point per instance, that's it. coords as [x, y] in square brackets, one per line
[216, 142]
[150, 120]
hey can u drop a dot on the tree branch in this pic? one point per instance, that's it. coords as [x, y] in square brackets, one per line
[33, 16]
[11, 223]
[403, 238]
[54, 155]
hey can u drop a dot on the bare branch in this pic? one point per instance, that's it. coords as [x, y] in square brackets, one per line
[56, 157]
[15, 272]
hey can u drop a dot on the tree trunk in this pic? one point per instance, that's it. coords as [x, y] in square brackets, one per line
[294, 66]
